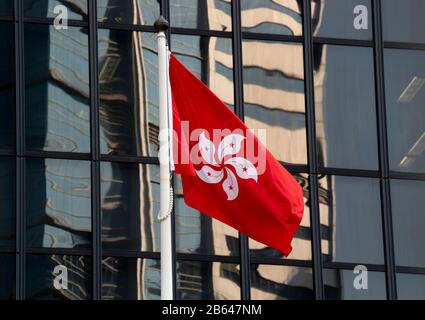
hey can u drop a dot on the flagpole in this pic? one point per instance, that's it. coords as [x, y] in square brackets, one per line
[161, 25]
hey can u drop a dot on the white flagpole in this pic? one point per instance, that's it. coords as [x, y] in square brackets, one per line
[161, 25]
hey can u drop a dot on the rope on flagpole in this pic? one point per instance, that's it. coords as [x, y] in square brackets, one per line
[161, 217]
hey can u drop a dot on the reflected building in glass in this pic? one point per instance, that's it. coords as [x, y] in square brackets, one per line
[339, 93]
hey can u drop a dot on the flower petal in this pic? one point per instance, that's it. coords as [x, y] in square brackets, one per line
[207, 149]
[244, 168]
[209, 175]
[230, 185]
[231, 144]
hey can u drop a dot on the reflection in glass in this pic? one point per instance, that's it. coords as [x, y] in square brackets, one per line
[198, 233]
[272, 282]
[143, 12]
[57, 89]
[301, 244]
[205, 15]
[405, 99]
[58, 203]
[131, 279]
[7, 202]
[76, 9]
[7, 86]
[345, 107]
[41, 274]
[350, 218]
[403, 21]
[273, 75]
[7, 277]
[408, 215]
[6, 8]
[128, 87]
[198, 280]
[210, 59]
[339, 285]
[130, 205]
[339, 19]
[271, 16]
[410, 286]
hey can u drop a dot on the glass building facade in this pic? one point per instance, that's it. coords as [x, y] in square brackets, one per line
[338, 84]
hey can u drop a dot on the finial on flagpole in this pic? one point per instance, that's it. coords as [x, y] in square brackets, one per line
[161, 24]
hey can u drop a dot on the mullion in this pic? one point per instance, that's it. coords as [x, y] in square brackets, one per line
[83, 156]
[129, 159]
[7, 153]
[95, 154]
[282, 262]
[125, 27]
[383, 152]
[50, 21]
[404, 45]
[239, 111]
[410, 270]
[407, 176]
[202, 32]
[343, 42]
[7, 18]
[131, 254]
[295, 168]
[271, 37]
[59, 251]
[57, 155]
[349, 172]
[207, 258]
[312, 152]
[20, 149]
[351, 266]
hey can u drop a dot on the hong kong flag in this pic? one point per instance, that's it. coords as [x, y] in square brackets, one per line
[227, 173]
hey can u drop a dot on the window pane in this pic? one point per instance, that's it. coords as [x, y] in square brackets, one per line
[405, 99]
[7, 202]
[410, 286]
[270, 16]
[301, 244]
[408, 213]
[7, 86]
[131, 279]
[281, 283]
[274, 96]
[58, 203]
[128, 84]
[403, 21]
[210, 59]
[76, 9]
[198, 233]
[57, 89]
[7, 277]
[130, 205]
[143, 12]
[207, 281]
[6, 8]
[348, 19]
[339, 285]
[206, 15]
[41, 271]
[345, 107]
[350, 218]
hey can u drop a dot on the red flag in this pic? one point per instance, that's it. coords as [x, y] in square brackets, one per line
[226, 172]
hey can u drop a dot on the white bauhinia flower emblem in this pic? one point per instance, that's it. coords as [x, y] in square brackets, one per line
[225, 170]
